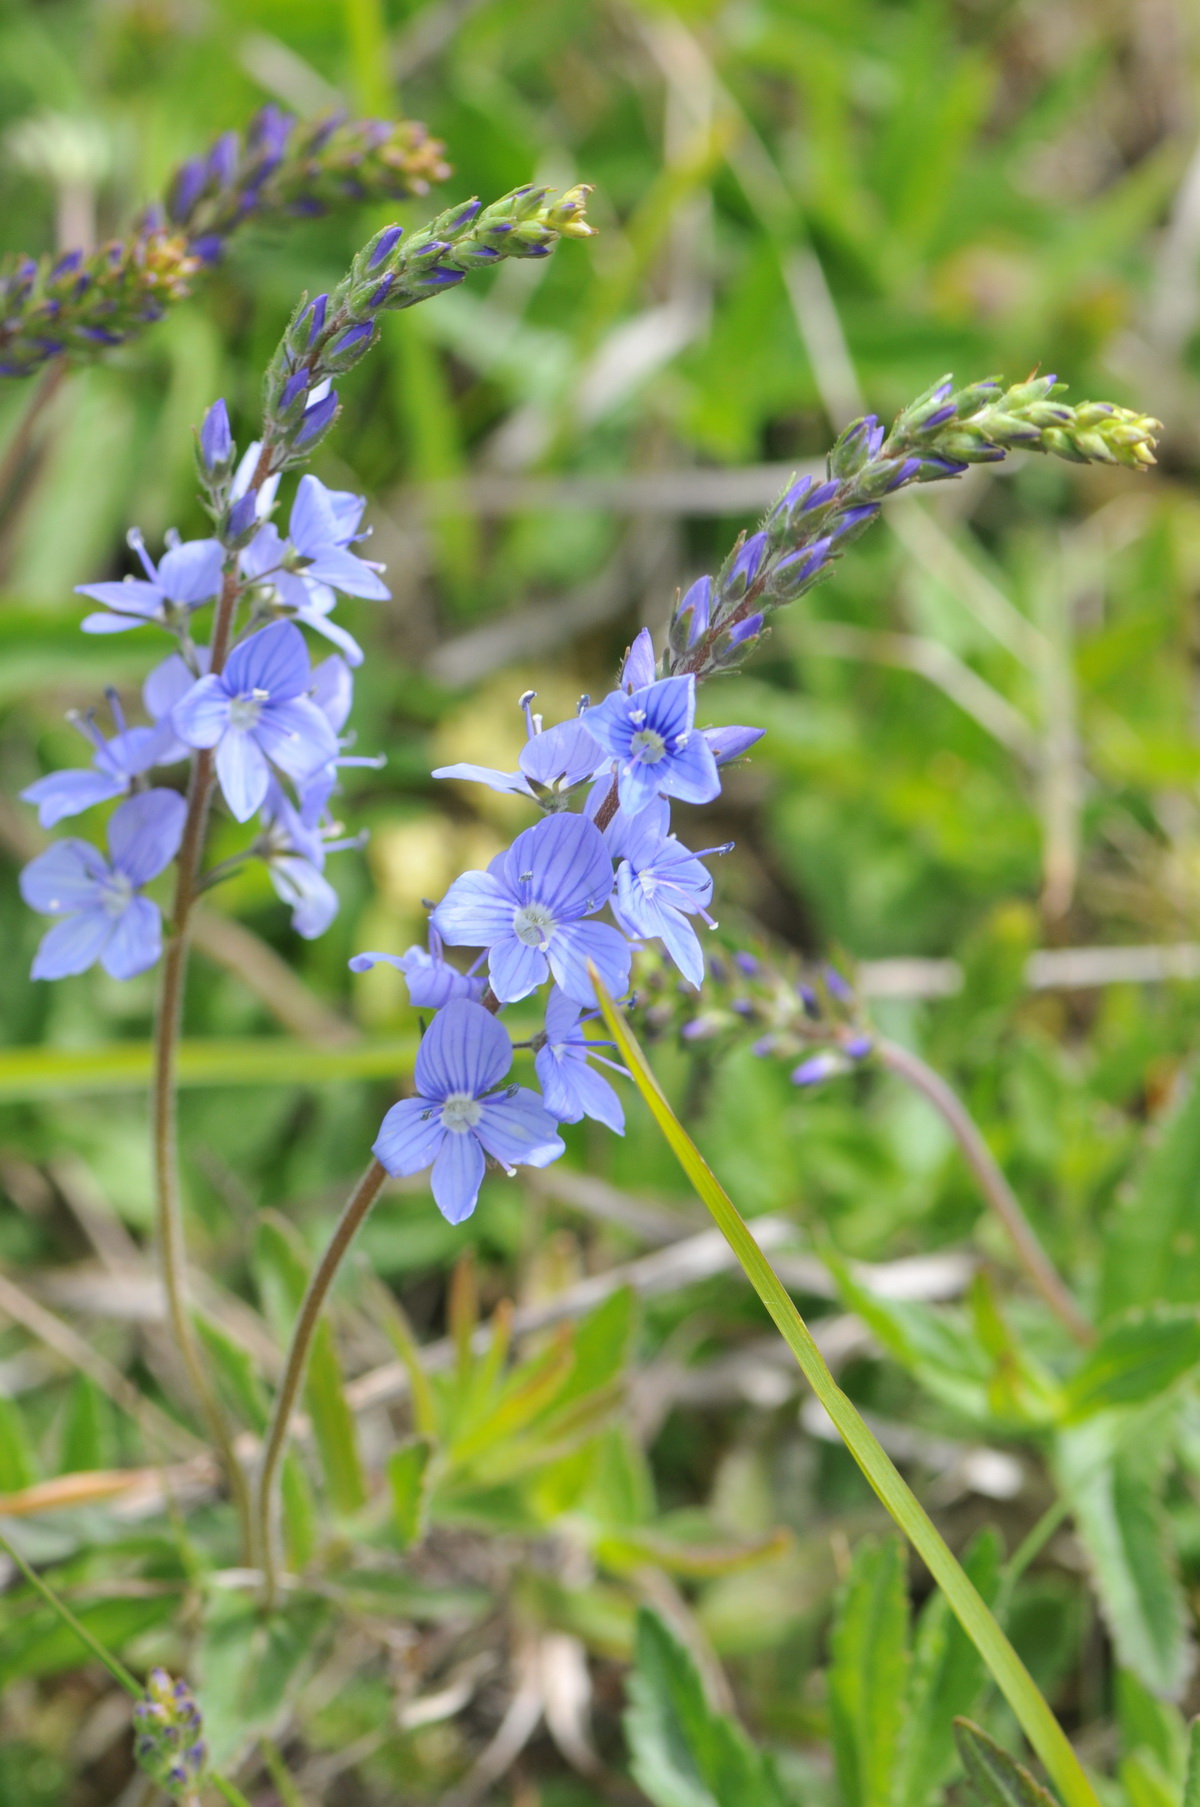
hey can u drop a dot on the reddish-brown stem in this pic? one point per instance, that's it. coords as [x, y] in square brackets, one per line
[309, 1316]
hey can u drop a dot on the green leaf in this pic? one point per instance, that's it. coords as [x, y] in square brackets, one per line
[41, 1643]
[1146, 1782]
[250, 1667]
[685, 1753]
[1191, 1781]
[299, 1512]
[237, 1372]
[334, 1428]
[1152, 1246]
[410, 1476]
[1008, 1671]
[945, 1679]
[1147, 1723]
[1117, 1500]
[88, 1433]
[18, 1467]
[1135, 1360]
[996, 1779]
[868, 1673]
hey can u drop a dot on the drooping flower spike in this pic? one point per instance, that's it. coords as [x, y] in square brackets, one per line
[458, 1116]
[103, 915]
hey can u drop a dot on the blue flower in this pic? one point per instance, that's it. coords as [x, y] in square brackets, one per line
[526, 909]
[431, 979]
[552, 762]
[457, 1117]
[639, 668]
[315, 560]
[188, 574]
[651, 734]
[569, 1086]
[104, 917]
[294, 842]
[660, 883]
[258, 713]
[730, 743]
[115, 763]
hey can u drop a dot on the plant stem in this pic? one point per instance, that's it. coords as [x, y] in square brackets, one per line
[992, 1183]
[114, 1665]
[168, 1198]
[312, 1305]
[1008, 1671]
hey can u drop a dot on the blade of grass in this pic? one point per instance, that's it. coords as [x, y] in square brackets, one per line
[125, 1066]
[1007, 1670]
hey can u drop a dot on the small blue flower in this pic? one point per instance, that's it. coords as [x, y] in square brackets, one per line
[730, 743]
[104, 917]
[259, 713]
[431, 979]
[651, 735]
[526, 909]
[457, 1117]
[569, 1086]
[660, 883]
[115, 763]
[294, 842]
[551, 764]
[188, 574]
[315, 560]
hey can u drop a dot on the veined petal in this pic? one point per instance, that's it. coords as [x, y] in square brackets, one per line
[570, 868]
[409, 1136]
[464, 1050]
[638, 669]
[562, 1016]
[692, 775]
[571, 949]
[731, 743]
[72, 945]
[191, 573]
[515, 969]
[66, 877]
[312, 524]
[638, 785]
[683, 944]
[334, 566]
[476, 911]
[275, 659]
[136, 940]
[265, 552]
[517, 1129]
[314, 902]
[457, 1176]
[333, 691]
[145, 832]
[169, 683]
[113, 624]
[296, 736]
[564, 755]
[573, 1090]
[61, 794]
[202, 716]
[332, 631]
[513, 783]
[243, 772]
[132, 596]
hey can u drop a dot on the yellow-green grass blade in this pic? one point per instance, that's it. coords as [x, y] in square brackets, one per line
[125, 1066]
[1007, 1670]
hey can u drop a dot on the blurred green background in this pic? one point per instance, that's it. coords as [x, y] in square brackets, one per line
[983, 733]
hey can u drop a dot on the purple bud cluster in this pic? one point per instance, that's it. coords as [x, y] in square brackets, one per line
[604, 781]
[272, 720]
[331, 333]
[82, 302]
[168, 1740]
[720, 619]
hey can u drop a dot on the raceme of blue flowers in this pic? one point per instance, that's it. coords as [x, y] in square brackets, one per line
[273, 723]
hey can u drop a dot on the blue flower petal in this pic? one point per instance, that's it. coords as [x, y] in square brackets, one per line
[464, 1050]
[243, 772]
[579, 942]
[516, 969]
[73, 944]
[518, 1131]
[61, 794]
[457, 1176]
[66, 877]
[475, 912]
[145, 832]
[136, 940]
[409, 1137]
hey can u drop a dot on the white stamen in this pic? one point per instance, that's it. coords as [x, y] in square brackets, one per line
[533, 925]
[460, 1113]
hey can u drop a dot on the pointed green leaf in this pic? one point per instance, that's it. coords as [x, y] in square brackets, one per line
[410, 1475]
[996, 1779]
[334, 1428]
[1191, 1781]
[1136, 1359]
[237, 1372]
[1152, 1247]
[868, 1673]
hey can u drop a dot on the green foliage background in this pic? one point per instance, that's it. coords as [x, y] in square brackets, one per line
[982, 740]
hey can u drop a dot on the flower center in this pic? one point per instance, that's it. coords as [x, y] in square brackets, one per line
[460, 1113]
[648, 745]
[116, 894]
[244, 711]
[533, 924]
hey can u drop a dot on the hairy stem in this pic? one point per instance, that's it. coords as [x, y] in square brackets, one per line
[992, 1183]
[168, 1196]
[348, 1225]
